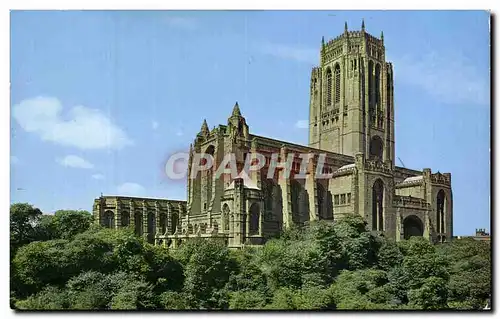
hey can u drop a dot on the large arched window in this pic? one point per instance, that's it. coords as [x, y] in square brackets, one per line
[377, 84]
[225, 216]
[299, 212]
[163, 223]
[138, 223]
[109, 219]
[125, 215]
[328, 86]
[325, 205]
[376, 148]
[208, 176]
[151, 227]
[370, 82]
[151, 222]
[337, 83]
[254, 219]
[377, 205]
[174, 221]
[440, 211]
[268, 187]
[412, 226]
[371, 93]
[389, 83]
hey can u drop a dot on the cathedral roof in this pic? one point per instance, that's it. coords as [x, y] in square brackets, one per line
[346, 167]
[413, 179]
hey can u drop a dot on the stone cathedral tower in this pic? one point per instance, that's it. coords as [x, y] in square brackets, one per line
[351, 122]
[352, 102]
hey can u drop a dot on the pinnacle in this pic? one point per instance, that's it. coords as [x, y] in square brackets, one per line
[204, 127]
[236, 110]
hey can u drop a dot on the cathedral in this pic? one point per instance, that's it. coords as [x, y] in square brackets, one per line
[351, 124]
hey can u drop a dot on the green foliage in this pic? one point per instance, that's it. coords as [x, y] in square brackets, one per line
[23, 220]
[246, 299]
[68, 223]
[431, 295]
[50, 298]
[208, 267]
[470, 273]
[173, 300]
[61, 261]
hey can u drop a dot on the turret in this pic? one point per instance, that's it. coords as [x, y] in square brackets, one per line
[236, 123]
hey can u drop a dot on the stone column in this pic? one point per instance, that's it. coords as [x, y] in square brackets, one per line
[311, 189]
[261, 217]
[239, 210]
[131, 221]
[360, 197]
[117, 214]
[157, 219]
[247, 213]
[399, 224]
[144, 220]
[284, 183]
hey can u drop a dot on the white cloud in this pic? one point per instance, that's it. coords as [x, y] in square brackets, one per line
[74, 162]
[98, 176]
[155, 125]
[14, 160]
[179, 133]
[302, 124]
[131, 189]
[79, 127]
[185, 23]
[450, 78]
[307, 55]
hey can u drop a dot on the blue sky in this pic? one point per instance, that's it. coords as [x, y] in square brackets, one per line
[100, 99]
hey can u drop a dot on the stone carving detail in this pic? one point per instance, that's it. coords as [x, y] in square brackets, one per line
[377, 166]
[439, 178]
[408, 201]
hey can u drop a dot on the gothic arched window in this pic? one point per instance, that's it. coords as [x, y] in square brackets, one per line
[138, 223]
[174, 220]
[208, 176]
[254, 219]
[163, 223]
[377, 205]
[377, 84]
[109, 219]
[440, 210]
[376, 148]
[125, 218]
[225, 216]
[337, 83]
[328, 86]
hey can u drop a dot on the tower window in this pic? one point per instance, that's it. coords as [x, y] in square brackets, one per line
[328, 86]
[337, 83]
[336, 199]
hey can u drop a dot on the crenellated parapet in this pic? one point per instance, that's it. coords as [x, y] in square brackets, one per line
[441, 179]
[410, 202]
[377, 166]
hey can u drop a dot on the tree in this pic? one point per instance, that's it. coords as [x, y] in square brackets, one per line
[470, 272]
[208, 266]
[37, 265]
[23, 220]
[431, 295]
[68, 223]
